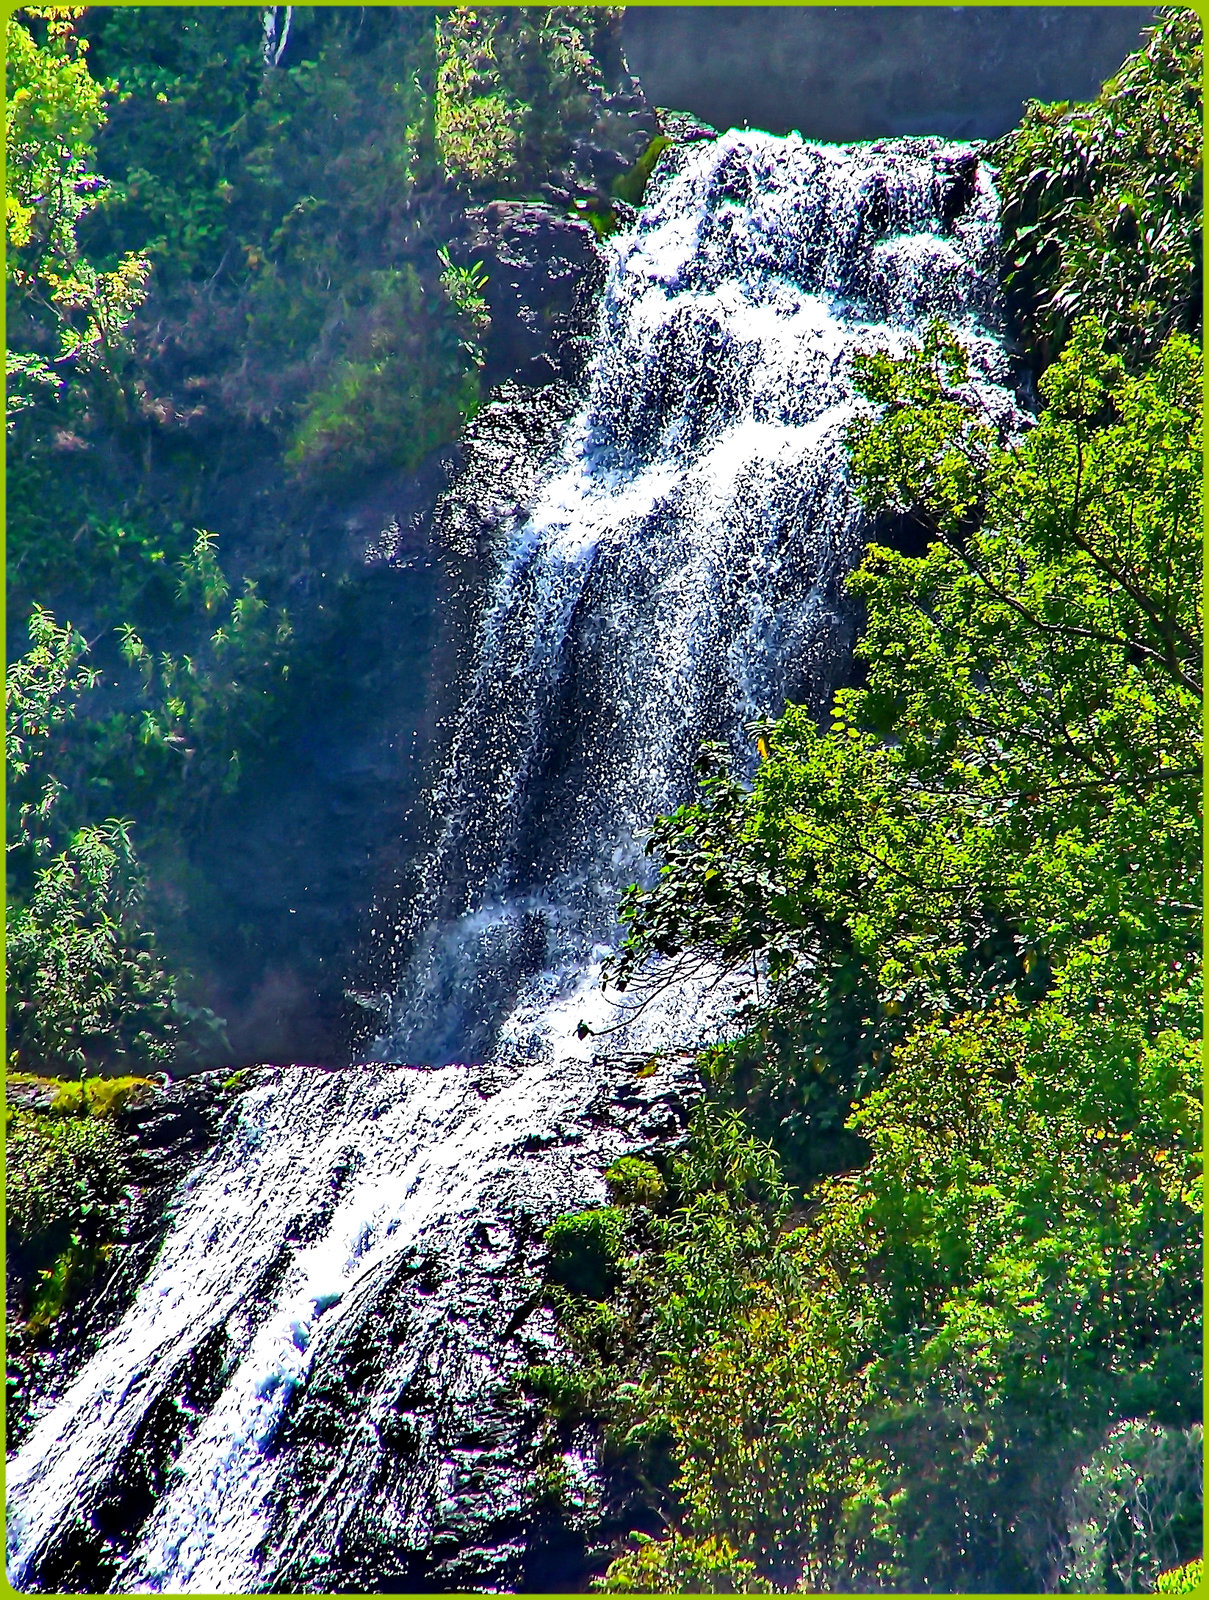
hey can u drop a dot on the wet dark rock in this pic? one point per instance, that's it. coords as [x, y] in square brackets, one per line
[956, 185]
[544, 273]
[503, 452]
[405, 1454]
[415, 1421]
[682, 127]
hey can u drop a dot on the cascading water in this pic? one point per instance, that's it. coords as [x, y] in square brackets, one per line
[315, 1388]
[680, 572]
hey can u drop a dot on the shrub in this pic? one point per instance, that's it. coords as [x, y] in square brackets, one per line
[475, 121]
[85, 983]
[677, 1565]
[585, 1251]
[634, 1182]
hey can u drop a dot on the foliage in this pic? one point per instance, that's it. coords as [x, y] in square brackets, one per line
[682, 1566]
[634, 1182]
[417, 383]
[515, 88]
[66, 1181]
[1182, 1580]
[475, 121]
[1102, 203]
[85, 984]
[174, 734]
[67, 1177]
[65, 317]
[183, 88]
[463, 288]
[876, 1397]
[194, 717]
[303, 197]
[63, 1171]
[41, 689]
[584, 1250]
[1137, 1504]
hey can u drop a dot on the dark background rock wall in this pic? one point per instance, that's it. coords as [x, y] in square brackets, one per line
[840, 73]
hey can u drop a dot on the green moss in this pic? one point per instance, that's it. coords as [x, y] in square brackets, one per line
[66, 1184]
[58, 1286]
[98, 1097]
[603, 220]
[631, 185]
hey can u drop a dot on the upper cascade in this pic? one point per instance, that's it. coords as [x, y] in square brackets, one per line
[680, 570]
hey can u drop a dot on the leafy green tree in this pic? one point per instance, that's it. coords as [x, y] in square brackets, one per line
[195, 717]
[66, 318]
[905, 1383]
[86, 984]
[1102, 202]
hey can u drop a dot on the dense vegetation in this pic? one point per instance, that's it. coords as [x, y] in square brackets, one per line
[236, 254]
[919, 1306]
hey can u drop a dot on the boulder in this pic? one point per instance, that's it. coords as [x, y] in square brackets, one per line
[544, 273]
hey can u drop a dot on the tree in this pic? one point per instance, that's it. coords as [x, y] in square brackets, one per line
[902, 1391]
[66, 317]
[1102, 202]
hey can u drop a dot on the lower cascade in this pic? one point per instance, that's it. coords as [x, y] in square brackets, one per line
[316, 1386]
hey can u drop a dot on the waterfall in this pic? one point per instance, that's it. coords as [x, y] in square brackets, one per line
[317, 1386]
[680, 571]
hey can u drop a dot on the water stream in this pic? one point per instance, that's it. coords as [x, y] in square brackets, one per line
[316, 1387]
